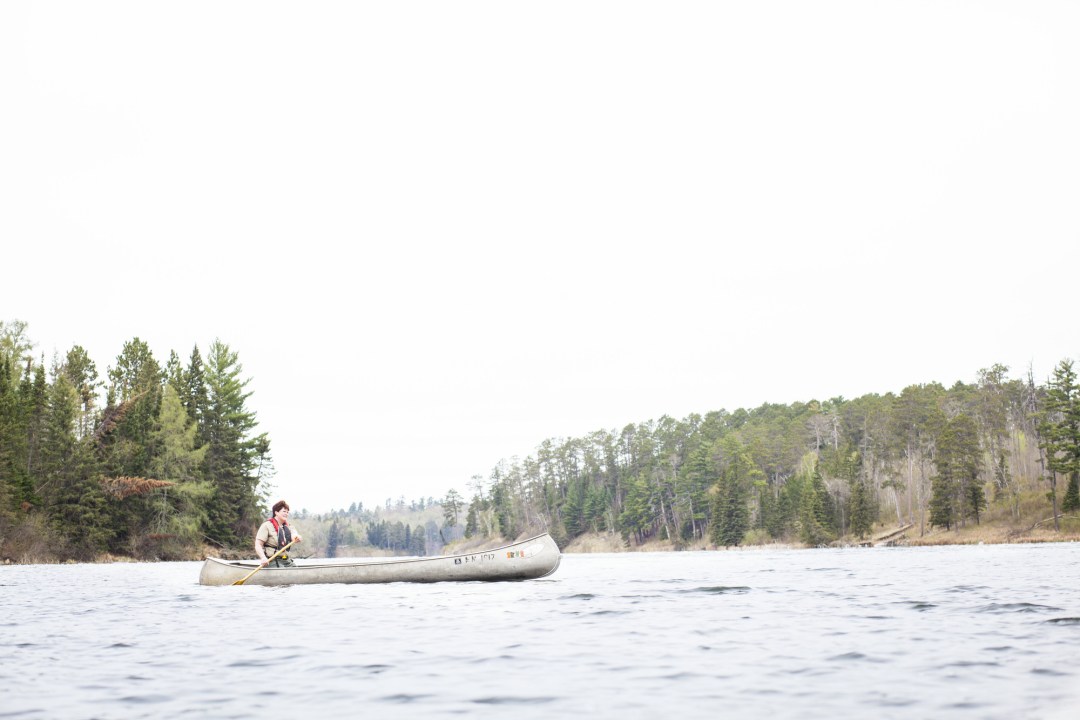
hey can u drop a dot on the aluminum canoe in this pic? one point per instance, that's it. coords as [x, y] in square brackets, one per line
[525, 560]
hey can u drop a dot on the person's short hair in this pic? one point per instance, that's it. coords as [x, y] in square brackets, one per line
[280, 504]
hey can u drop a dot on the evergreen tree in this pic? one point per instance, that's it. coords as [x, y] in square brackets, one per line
[636, 518]
[82, 372]
[14, 488]
[333, 540]
[451, 508]
[136, 387]
[180, 511]
[942, 505]
[419, 541]
[597, 501]
[696, 476]
[501, 503]
[815, 518]
[572, 511]
[861, 509]
[35, 402]
[1060, 430]
[233, 455]
[472, 522]
[73, 500]
[967, 459]
[956, 490]
[175, 456]
[196, 395]
[730, 512]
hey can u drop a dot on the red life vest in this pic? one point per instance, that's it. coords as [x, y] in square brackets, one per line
[284, 532]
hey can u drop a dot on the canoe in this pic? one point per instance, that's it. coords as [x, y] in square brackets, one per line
[533, 558]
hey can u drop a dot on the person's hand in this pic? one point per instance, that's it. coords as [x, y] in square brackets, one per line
[264, 563]
[296, 539]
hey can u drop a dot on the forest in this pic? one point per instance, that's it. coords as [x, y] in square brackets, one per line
[814, 473]
[150, 461]
[155, 461]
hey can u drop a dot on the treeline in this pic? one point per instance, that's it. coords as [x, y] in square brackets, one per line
[811, 472]
[419, 527]
[171, 460]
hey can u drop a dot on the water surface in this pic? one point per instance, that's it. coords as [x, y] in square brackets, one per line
[950, 632]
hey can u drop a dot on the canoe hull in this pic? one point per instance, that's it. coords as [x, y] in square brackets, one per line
[526, 560]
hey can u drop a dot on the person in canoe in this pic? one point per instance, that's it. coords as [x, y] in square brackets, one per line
[274, 534]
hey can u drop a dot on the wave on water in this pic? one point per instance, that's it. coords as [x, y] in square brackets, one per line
[920, 605]
[1021, 607]
[718, 590]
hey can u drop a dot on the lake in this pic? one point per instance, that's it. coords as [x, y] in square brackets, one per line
[944, 632]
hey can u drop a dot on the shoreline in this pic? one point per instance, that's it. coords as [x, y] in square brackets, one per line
[979, 535]
[614, 543]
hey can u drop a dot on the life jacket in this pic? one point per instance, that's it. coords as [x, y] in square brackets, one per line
[284, 533]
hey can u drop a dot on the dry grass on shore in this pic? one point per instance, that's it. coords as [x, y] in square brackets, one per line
[983, 534]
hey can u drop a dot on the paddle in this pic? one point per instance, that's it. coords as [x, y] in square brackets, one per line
[270, 559]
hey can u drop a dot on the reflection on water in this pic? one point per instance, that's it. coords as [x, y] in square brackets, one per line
[954, 632]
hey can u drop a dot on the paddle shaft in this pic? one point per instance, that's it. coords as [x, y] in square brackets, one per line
[270, 559]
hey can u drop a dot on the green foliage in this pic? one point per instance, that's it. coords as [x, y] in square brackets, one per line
[1060, 430]
[637, 515]
[816, 523]
[1070, 502]
[472, 517]
[397, 537]
[233, 457]
[730, 513]
[862, 510]
[86, 473]
[73, 501]
[333, 540]
[452, 505]
[183, 440]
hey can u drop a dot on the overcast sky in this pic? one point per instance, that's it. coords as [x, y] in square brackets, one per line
[438, 233]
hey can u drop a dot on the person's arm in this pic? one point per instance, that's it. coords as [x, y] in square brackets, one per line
[260, 548]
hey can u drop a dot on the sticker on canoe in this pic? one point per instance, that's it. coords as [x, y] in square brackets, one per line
[525, 552]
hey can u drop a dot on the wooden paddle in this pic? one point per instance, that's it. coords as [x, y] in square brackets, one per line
[270, 559]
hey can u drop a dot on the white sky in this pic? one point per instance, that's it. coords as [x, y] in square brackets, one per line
[438, 233]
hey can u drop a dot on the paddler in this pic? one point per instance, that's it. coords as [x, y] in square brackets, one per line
[276, 533]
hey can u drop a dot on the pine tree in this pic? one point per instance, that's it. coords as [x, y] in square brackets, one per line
[333, 539]
[451, 508]
[12, 436]
[636, 518]
[730, 510]
[196, 394]
[419, 541]
[135, 383]
[861, 508]
[956, 489]
[472, 522]
[82, 372]
[815, 518]
[233, 455]
[180, 511]
[572, 511]
[72, 498]
[35, 403]
[942, 510]
[1060, 430]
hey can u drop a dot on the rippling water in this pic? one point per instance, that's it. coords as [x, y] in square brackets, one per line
[952, 632]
